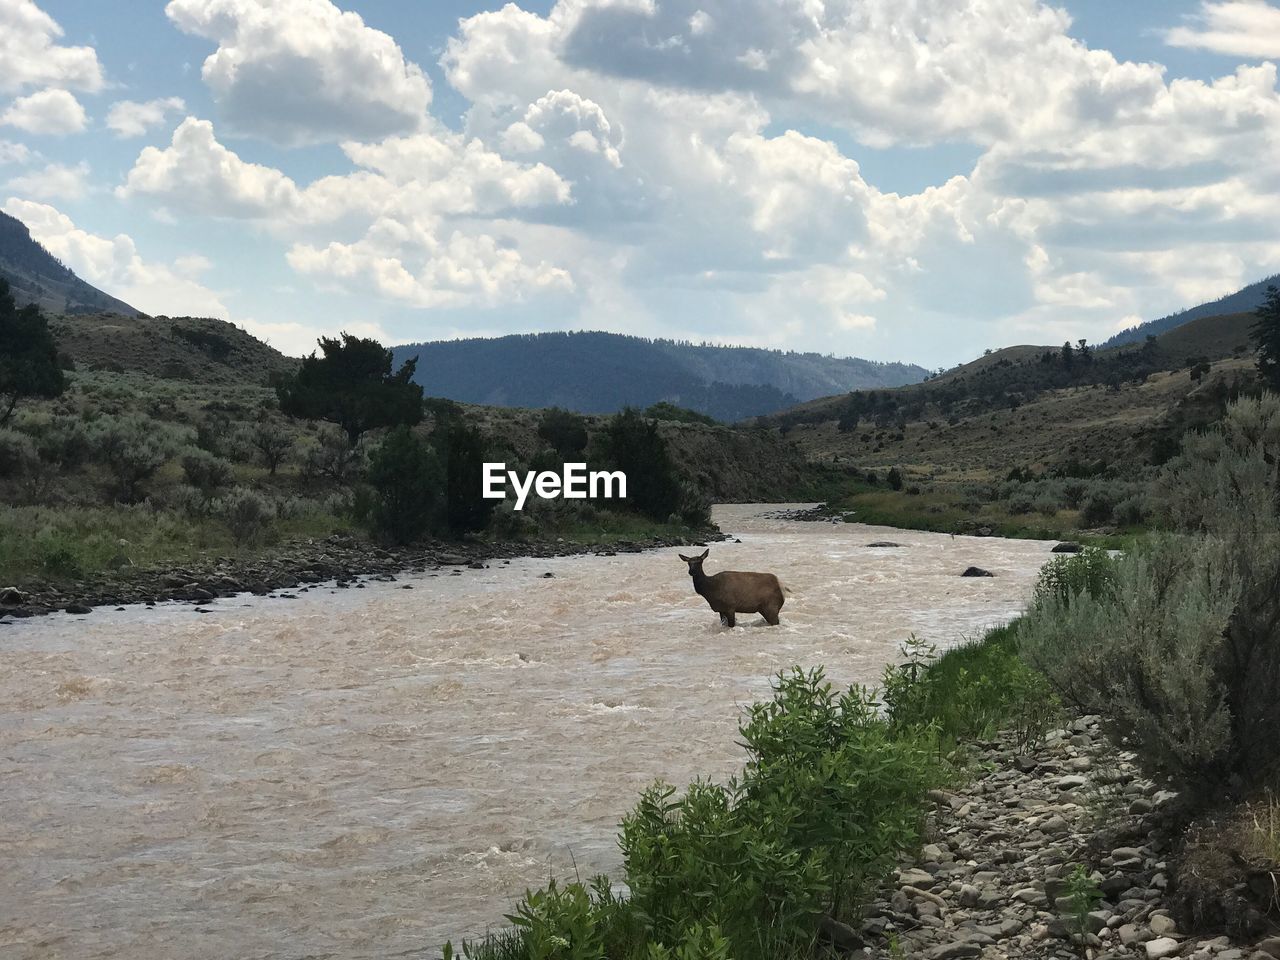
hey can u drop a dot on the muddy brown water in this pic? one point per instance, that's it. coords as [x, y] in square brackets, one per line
[364, 773]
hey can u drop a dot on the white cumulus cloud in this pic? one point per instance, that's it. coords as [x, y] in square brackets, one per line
[56, 181]
[131, 118]
[47, 112]
[30, 55]
[303, 71]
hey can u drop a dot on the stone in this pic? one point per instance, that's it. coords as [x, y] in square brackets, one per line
[1270, 946]
[921, 879]
[12, 597]
[954, 951]
[1073, 782]
[977, 572]
[1160, 948]
[79, 608]
[1055, 826]
[1161, 925]
[1066, 546]
[931, 852]
[884, 544]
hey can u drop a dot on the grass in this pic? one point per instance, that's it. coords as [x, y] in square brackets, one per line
[941, 508]
[65, 544]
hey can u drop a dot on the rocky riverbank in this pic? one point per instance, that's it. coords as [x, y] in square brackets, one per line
[994, 882]
[345, 560]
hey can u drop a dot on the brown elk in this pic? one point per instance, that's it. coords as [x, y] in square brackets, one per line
[730, 592]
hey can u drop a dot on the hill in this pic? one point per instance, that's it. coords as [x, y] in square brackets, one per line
[1028, 407]
[1242, 301]
[36, 276]
[592, 372]
[192, 349]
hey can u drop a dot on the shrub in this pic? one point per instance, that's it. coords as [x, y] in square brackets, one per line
[1091, 571]
[408, 484]
[63, 442]
[207, 473]
[1131, 511]
[829, 799]
[1152, 655]
[1021, 503]
[1097, 508]
[331, 457]
[133, 448]
[272, 441]
[17, 454]
[248, 515]
[564, 431]
[894, 478]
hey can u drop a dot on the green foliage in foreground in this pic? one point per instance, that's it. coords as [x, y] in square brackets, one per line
[831, 796]
[973, 690]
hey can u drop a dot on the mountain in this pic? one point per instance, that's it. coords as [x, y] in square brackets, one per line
[1242, 301]
[36, 276]
[593, 372]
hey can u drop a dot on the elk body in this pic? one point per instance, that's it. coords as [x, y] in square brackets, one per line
[731, 592]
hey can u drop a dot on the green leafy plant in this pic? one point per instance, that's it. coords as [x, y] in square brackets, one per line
[1083, 896]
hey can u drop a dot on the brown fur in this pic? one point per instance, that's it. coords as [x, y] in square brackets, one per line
[730, 592]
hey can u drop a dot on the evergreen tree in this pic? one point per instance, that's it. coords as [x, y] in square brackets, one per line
[633, 445]
[28, 355]
[465, 450]
[1266, 335]
[564, 431]
[352, 385]
[408, 484]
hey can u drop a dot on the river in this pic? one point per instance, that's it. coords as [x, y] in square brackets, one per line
[366, 772]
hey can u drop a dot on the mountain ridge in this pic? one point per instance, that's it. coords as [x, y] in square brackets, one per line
[599, 372]
[37, 276]
[1245, 299]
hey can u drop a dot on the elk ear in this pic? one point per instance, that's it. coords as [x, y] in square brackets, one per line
[684, 558]
[704, 553]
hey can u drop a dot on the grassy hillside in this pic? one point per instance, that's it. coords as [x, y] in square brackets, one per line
[602, 372]
[1022, 442]
[191, 349]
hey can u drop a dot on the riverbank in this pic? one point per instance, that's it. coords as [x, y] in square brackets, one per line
[1061, 851]
[343, 559]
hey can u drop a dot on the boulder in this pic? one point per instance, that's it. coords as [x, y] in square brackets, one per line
[977, 572]
[1066, 546]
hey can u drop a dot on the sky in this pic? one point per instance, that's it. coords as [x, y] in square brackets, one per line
[895, 180]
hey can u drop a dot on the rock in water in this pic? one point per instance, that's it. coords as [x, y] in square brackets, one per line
[1066, 546]
[977, 572]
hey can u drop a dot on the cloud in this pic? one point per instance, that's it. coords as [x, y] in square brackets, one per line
[303, 71]
[412, 264]
[15, 154]
[1236, 28]
[299, 339]
[48, 112]
[129, 118]
[56, 181]
[197, 174]
[31, 57]
[114, 264]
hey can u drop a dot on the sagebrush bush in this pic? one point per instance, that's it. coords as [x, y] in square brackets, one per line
[132, 447]
[17, 453]
[408, 482]
[206, 472]
[247, 514]
[1180, 651]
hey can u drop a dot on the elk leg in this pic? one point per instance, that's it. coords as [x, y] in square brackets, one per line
[724, 620]
[729, 619]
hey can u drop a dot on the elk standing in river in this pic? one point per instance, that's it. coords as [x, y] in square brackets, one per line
[730, 592]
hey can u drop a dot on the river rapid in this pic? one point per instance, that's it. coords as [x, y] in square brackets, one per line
[367, 772]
